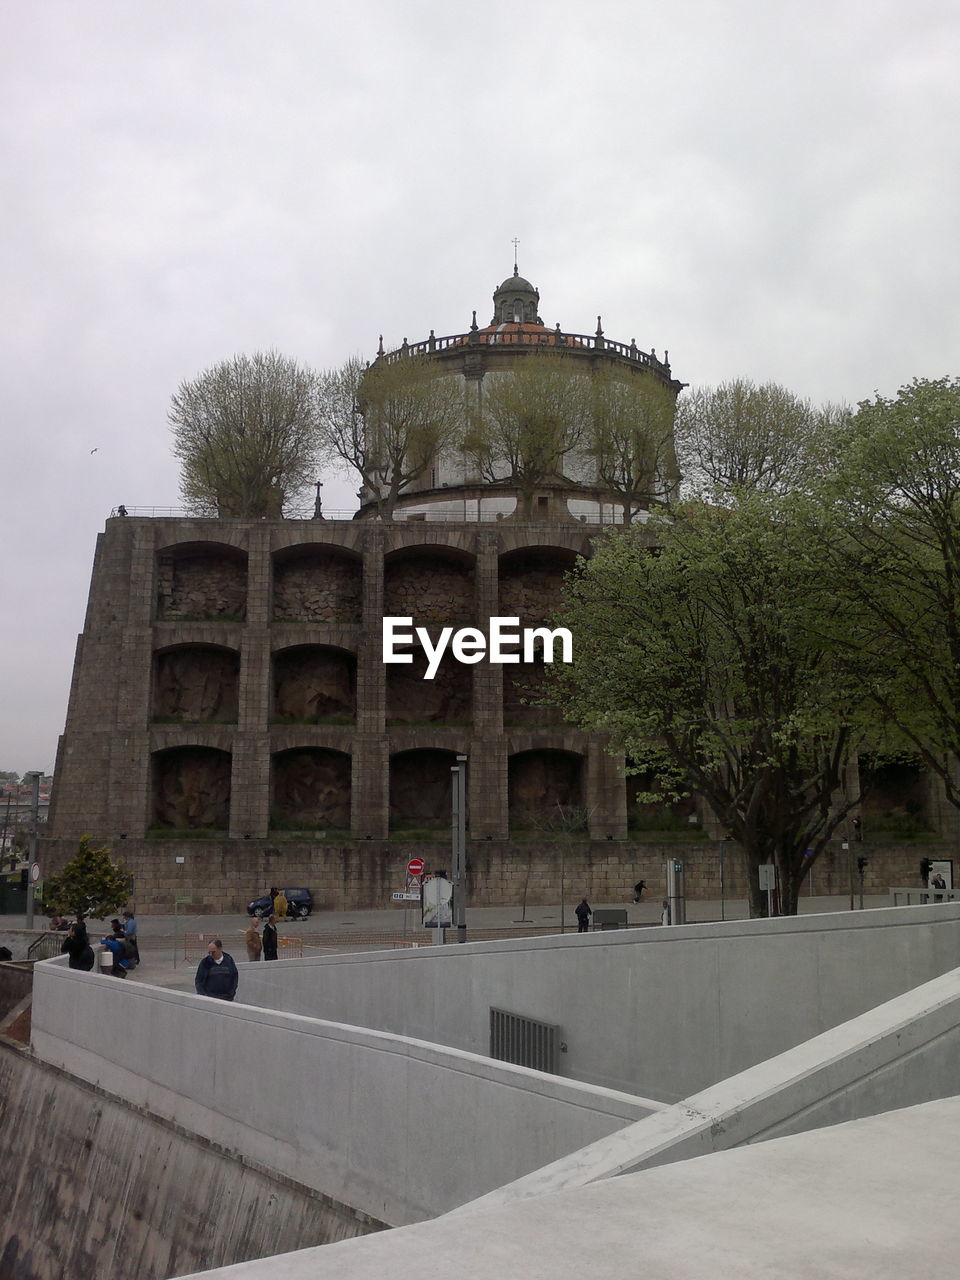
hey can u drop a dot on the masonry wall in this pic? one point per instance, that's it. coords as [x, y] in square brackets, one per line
[230, 706]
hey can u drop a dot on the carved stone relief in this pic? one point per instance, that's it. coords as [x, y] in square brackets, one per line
[522, 686]
[540, 781]
[318, 588]
[530, 588]
[420, 787]
[446, 699]
[312, 683]
[191, 788]
[196, 684]
[202, 585]
[429, 589]
[311, 788]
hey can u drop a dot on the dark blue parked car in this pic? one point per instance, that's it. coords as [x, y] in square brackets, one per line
[299, 904]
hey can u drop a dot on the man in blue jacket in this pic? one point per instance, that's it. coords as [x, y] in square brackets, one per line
[217, 974]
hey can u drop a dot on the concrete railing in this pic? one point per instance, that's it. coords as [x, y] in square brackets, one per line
[658, 1012]
[397, 1128]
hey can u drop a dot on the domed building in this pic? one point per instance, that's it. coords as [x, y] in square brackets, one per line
[233, 722]
[454, 488]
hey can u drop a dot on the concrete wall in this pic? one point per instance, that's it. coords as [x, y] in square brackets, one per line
[899, 1054]
[659, 1012]
[92, 1187]
[393, 1127]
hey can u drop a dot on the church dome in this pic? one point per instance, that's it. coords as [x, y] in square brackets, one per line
[516, 302]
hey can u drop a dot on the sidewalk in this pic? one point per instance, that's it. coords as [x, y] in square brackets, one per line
[171, 947]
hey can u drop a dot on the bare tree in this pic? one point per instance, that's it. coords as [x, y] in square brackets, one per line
[631, 440]
[530, 420]
[389, 422]
[246, 433]
[742, 436]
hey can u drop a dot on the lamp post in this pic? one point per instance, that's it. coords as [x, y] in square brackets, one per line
[34, 775]
[459, 845]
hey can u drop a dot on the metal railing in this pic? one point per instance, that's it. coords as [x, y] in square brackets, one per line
[46, 947]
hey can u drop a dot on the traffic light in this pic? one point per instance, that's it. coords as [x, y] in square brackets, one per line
[862, 865]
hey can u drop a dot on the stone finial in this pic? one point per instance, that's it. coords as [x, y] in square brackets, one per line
[380, 351]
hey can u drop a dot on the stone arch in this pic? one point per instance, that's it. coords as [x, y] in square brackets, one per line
[196, 684]
[657, 815]
[446, 699]
[545, 790]
[191, 788]
[317, 582]
[202, 580]
[314, 684]
[421, 788]
[531, 581]
[429, 584]
[310, 789]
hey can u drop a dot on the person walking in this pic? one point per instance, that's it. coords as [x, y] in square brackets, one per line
[583, 912]
[254, 945]
[270, 939]
[217, 974]
[638, 889]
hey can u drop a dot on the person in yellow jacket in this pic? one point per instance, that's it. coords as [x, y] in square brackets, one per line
[280, 905]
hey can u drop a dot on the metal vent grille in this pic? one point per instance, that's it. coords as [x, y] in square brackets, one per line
[524, 1041]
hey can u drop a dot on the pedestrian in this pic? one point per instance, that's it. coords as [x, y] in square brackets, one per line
[122, 959]
[217, 975]
[130, 933]
[280, 905]
[638, 889]
[121, 510]
[583, 913]
[254, 945]
[77, 946]
[270, 939]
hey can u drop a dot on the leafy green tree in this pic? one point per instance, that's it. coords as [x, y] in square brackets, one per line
[890, 523]
[704, 648]
[531, 419]
[90, 884]
[247, 434]
[743, 436]
[389, 422]
[630, 439]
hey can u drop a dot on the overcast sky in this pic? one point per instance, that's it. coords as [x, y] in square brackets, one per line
[768, 190]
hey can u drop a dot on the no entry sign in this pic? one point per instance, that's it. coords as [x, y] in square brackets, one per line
[416, 867]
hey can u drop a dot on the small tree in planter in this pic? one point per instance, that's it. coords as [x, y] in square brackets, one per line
[91, 884]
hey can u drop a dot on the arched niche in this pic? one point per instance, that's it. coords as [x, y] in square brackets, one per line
[314, 684]
[191, 788]
[531, 582]
[895, 788]
[545, 790]
[196, 683]
[311, 789]
[523, 685]
[197, 581]
[446, 699]
[657, 815]
[429, 584]
[317, 583]
[421, 788]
